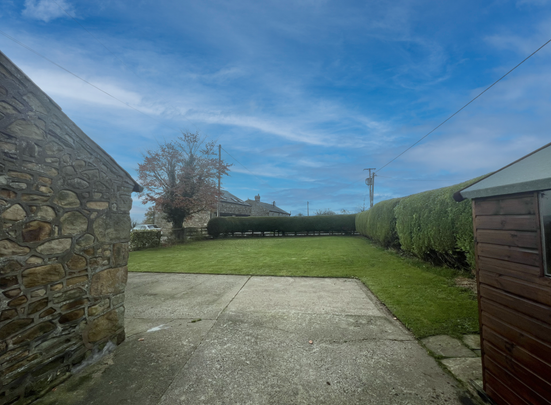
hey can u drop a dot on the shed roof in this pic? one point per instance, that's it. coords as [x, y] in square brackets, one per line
[530, 173]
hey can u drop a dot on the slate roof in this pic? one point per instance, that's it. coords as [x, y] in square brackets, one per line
[530, 173]
[229, 198]
[269, 207]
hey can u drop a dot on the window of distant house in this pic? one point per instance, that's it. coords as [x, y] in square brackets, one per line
[545, 215]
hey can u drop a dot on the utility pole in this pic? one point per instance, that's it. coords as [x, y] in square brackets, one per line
[308, 208]
[219, 167]
[370, 182]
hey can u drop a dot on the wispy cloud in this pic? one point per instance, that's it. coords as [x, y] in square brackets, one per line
[47, 10]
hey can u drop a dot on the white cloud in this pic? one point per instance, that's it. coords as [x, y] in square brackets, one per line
[47, 10]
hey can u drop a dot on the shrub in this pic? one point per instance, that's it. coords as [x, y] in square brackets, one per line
[379, 223]
[145, 239]
[434, 227]
[319, 223]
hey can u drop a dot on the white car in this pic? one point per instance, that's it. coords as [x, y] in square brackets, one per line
[146, 227]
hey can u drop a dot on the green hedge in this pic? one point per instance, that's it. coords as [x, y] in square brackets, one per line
[379, 223]
[318, 223]
[430, 225]
[145, 239]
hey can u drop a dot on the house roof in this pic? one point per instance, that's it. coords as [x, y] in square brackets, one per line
[53, 108]
[269, 207]
[530, 173]
[229, 198]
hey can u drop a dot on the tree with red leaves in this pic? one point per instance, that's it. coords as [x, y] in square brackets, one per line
[180, 177]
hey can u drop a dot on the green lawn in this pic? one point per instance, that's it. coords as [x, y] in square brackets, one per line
[423, 297]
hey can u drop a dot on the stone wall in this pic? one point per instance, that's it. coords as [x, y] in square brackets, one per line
[64, 228]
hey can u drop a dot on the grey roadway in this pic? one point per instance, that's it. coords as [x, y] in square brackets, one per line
[215, 339]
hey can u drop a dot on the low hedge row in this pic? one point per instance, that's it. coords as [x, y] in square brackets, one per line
[431, 225]
[318, 223]
[145, 239]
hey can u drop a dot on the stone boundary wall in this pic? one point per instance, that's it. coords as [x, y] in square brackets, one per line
[64, 231]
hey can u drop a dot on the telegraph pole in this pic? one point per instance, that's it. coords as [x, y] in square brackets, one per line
[308, 208]
[219, 168]
[370, 182]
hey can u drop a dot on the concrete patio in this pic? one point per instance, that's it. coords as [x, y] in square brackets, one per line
[214, 339]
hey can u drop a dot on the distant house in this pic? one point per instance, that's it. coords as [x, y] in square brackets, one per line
[231, 206]
[260, 209]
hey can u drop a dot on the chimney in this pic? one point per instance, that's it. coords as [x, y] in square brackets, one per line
[257, 198]
[274, 203]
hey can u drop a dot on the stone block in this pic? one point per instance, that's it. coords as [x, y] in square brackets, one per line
[465, 369]
[16, 302]
[120, 254]
[47, 312]
[110, 281]
[34, 332]
[8, 282]
[447, 346]
[117, 300]
[12, 293]
[37, 306]
[10, 195]
[10, 267]
[46, 212]
[9, 248]
[76, 280]
[36, 231]
[85, 241]
[25, 129]
[112, 227]
[74, 304]
[56, 246]
[77, 262]
[53, 148]
[98, 308]
[74, 223]
[472, 341]
[71, 316]
[67, 199]
[8, 314]
[35, 198]
[106, 325]
[19, 175]
[42, 275]
[97, 205]
[14, 213]
[35, 104]
[14, 327]
[7, 109]
[49, 171]
[69, 295]
[78, 183]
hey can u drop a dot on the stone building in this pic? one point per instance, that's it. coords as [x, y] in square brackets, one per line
[64, 231]
[260, 209]
[230, 206]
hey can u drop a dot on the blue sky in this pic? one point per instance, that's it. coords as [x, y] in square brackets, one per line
[304, 94]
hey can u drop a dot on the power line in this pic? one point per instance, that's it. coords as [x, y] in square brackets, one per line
[262, 181]
[84, 80]
[462, 108]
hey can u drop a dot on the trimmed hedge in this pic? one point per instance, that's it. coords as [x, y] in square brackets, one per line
[379, 223]
[145, 239]
[431, 225]
[318, 223]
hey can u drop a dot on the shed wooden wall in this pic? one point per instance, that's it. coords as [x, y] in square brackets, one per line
[514, 300]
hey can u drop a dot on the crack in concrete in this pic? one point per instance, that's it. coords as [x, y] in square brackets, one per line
[202, 340]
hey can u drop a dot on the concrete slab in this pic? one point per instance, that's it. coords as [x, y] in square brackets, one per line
[161, 295]
[252, 346]
[447, 346]
[472, 341]
[305, 295]
[249, 359]
[465, 369]
[137, 372]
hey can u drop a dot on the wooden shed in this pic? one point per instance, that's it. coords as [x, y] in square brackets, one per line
[512, 229]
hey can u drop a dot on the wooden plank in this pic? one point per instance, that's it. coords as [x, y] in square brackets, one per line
[509, 206]
[514, 302]
[531, 326]
[518, 337]
[532, 291]
[517, 353]
[521, 239]
[517, 386]
[517, 270]
[506, 222]
[503, 390]
[530, 257]
[521, 373]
